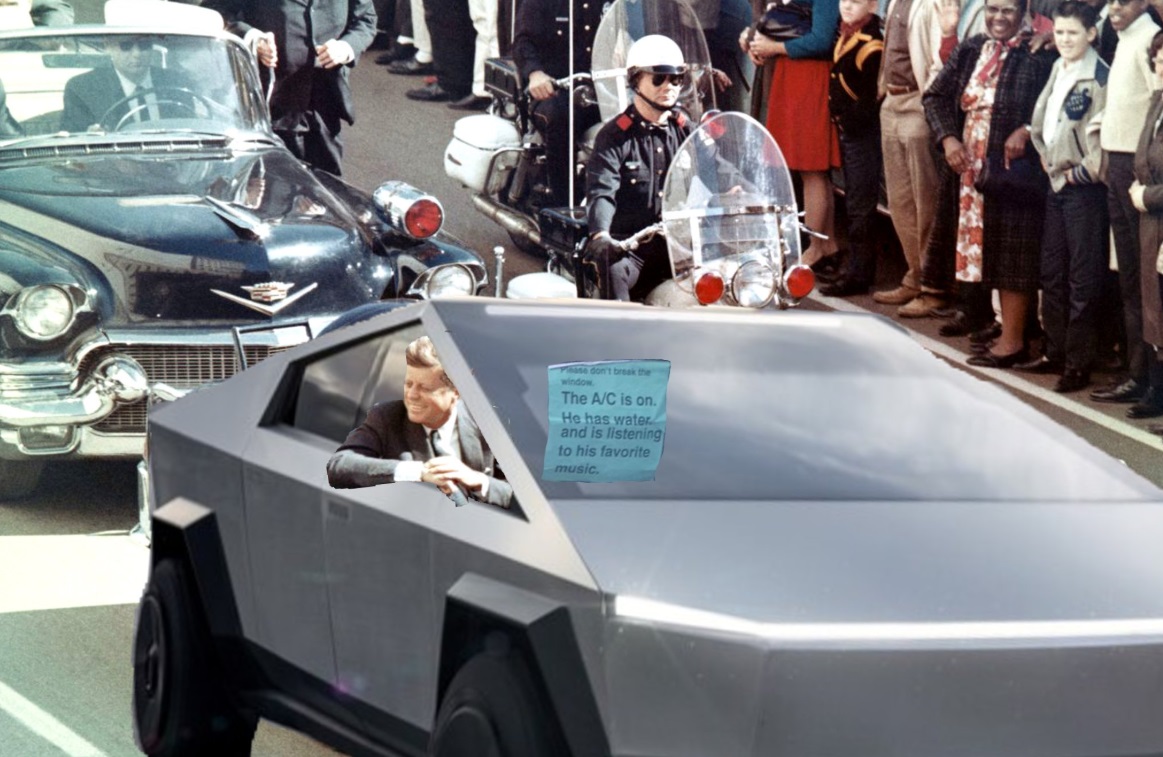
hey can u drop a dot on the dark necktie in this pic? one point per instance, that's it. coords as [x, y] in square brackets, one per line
[439, 448]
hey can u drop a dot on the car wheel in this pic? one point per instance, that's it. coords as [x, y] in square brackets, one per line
[18, 478]
[181, 707]
[492, 707]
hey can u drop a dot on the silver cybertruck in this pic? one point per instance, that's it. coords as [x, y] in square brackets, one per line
[808, 537]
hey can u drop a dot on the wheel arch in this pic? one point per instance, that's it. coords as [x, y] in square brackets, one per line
[541, 630]
[186, 531]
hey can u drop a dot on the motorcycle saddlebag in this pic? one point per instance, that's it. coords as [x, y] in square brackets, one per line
[475, 139]
[502, 78]
[563, 228]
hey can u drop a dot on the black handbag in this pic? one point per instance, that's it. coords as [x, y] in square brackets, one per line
[1025, 183]
[785, 21]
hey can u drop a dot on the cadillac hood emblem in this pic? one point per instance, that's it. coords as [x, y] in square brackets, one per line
[272, 291]
[268, 298]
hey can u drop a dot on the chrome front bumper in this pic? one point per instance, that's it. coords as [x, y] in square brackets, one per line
[94, 403]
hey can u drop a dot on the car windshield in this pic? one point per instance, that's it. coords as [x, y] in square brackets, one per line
[775, 406]
[101, 83]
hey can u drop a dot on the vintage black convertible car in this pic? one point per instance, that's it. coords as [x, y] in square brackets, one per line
[147, 240]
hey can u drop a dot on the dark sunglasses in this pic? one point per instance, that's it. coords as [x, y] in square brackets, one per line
[130, 44]
[659, 79]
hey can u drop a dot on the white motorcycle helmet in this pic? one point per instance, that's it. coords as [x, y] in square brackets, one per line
[654, 54]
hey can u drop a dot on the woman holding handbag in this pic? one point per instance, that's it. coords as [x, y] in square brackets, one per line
[798, 36]
[979, 109]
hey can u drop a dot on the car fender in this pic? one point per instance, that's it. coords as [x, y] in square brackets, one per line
[186, 531]
[541, 629]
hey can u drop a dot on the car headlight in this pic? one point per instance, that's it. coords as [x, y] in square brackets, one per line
[44, 311]
[450, 281]
[753, 285]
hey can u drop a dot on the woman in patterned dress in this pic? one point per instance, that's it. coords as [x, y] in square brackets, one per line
[979, 109]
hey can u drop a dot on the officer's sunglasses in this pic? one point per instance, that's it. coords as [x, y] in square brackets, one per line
[659, 79]
[140, 45]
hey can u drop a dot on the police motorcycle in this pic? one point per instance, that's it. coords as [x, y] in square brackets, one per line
[730, 220]
[499, 155]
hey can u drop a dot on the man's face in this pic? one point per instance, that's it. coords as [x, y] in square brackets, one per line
[666, 92]
[427, 397]
[130, 57]
[1125, 13]
[856, 11]
[1003, 18]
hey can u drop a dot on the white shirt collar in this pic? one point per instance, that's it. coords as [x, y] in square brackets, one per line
[129, 87]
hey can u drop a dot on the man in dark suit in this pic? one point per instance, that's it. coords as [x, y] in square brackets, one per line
[428, 436]
[89, 96]
[310, 47]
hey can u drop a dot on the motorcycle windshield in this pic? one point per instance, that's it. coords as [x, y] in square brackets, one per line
[629, 20]
[728, 200]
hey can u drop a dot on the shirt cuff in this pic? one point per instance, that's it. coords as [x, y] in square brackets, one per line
[252, 37]
[408, 470]
[341, 52]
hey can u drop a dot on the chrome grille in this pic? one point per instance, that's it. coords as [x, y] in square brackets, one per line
[182, 366]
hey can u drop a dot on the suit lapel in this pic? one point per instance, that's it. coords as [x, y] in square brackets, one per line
[418, 440]
[471, 452]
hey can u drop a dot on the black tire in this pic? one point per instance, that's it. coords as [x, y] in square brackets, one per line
[492, 707]
[181, 707]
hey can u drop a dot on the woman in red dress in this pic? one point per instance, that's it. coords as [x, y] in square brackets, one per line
[797, 113]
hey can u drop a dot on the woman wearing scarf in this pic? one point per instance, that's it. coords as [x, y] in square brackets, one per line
[979, 109]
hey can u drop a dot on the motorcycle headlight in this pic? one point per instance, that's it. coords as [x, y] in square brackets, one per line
[450, 281]
[43, 312]
[753, 285]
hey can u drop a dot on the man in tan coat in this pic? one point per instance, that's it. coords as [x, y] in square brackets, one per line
[912, 42]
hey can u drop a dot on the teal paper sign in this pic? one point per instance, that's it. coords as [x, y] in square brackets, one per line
[607, 420]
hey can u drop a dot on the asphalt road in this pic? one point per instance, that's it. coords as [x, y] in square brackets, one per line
[69, 575]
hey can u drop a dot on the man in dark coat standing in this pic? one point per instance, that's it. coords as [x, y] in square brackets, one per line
[310, 46]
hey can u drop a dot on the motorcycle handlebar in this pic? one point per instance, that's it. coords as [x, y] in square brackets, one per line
[631, 242]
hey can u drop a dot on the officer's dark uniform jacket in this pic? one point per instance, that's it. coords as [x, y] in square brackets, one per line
[852, 96]
[542, 36]
[626, 172]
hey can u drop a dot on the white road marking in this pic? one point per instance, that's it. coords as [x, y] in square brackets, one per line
[45, 725]
[59, 572]
[1014, 382]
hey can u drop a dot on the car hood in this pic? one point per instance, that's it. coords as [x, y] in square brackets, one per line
[878, 562]
[160, 233]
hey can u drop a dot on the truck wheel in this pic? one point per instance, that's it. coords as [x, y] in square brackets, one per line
[493, 707]
[18, 478]
[181, 707]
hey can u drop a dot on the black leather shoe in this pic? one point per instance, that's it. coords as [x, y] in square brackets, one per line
[1072, 380]
[949, 311]
[1155, 428]
[827, 269]
[961, 325]
[1128, 391]
[471, 102]
[396, 52]
[987, 334]
[432, 93]
[843, 287]
[1150, 406]
[990, 360]
[411, 67]
[1042, 365]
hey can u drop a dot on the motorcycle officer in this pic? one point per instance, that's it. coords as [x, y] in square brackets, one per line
[626, 172]
[541, 52]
